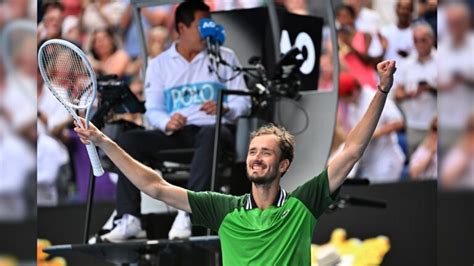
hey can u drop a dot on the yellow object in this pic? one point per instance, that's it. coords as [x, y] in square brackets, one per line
[40, 245]
[8, 261]
[42, 257]
[338, 236]
[354, 251]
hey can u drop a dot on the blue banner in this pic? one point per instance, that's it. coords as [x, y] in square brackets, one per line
[187, 95]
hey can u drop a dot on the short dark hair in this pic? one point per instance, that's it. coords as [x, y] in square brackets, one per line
[348, 8]
[185, 12]
[286, 141]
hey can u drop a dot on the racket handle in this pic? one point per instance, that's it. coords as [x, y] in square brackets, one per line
[96, 166]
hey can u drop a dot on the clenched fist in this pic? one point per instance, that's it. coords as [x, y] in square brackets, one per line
[385, 69]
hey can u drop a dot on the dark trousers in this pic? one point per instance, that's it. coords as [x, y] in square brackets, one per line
[143, 145]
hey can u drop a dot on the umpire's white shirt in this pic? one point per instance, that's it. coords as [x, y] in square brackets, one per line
[174, 85]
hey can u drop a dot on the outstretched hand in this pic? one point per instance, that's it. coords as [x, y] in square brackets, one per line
[385, 69]
[89, 134]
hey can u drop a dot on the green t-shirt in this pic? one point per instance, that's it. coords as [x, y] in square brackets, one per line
[278, 235]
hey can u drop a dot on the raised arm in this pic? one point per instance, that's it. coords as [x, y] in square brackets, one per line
[359, 137]
[142, 176]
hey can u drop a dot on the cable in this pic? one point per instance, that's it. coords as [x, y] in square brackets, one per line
[221, 79]
[298, 106]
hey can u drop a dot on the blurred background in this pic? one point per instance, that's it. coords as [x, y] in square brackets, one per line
[424, 166]
[18, 134]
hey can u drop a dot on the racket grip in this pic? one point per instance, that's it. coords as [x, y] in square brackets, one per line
[96, 166]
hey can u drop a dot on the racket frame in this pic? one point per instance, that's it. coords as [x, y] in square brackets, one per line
[98, 170]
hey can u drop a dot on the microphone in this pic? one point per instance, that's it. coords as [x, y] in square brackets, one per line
[219, 34]
[214, 35]
[207, 29]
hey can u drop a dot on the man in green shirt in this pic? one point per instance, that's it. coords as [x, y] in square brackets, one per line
[269, 226]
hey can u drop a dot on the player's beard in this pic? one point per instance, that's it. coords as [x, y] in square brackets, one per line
[265, 179]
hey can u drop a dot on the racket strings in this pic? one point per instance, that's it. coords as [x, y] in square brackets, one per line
[68, 75]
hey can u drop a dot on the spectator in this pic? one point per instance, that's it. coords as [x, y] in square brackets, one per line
[457, 171]
[156, 41]
[218, 5]
[50, 27]
[19, 100]
[417, 86]
[378, 169]
[427, 12]
[424, 161]
[72, 7]
[354, 47]
[455, 80]
[386, 10]
[153, 16]
[400, 36]
[17, 161]
[52, 154]
[157, 37]
[298, 7]
[107, 58]
[441, 22]
[14, 9]
[71, 30]
[368, 21]
[326, 72]
[52, 115]
[17, 133]
[100, 14]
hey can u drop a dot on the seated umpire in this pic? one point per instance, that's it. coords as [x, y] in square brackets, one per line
[181, 95]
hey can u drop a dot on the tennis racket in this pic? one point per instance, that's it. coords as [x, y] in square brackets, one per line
[18, 50]
[69, 76]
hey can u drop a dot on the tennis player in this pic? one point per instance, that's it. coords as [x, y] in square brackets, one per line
[269, 226]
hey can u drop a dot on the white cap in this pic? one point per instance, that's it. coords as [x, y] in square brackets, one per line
[69, 23]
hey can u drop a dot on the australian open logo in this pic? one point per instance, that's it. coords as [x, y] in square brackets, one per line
[187, 95]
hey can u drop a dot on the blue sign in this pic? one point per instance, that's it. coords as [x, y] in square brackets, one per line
[184, 96]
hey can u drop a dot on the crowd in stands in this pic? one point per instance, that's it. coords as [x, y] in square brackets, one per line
[424, 125]
[18, 133]
[433, 88]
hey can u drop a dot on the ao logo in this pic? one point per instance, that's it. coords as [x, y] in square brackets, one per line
[193, 94]
[302, 40]
[209, 24]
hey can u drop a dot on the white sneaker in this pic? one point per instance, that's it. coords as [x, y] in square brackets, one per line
[181, 228]
[125, 228]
